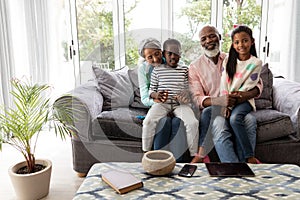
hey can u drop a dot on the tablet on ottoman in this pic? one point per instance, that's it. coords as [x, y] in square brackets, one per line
[229, 169]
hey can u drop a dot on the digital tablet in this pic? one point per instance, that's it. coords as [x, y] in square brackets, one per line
[229, 169]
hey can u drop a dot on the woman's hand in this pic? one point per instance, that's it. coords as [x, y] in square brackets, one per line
[183, 97]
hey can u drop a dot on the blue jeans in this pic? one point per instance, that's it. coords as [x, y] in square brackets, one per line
[163, 134]
[205, 138]
[171, 135]
[178, 142]
[222, 135]
[237, 123]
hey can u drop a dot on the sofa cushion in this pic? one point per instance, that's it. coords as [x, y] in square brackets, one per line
[265, 101]
[120, 124]
[272, 124]
[286, 98]
[115, 87]
[133, 75]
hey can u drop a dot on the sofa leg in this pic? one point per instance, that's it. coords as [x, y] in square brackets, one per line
[81, 175]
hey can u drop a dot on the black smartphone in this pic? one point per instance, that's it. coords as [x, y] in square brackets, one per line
[187, 170]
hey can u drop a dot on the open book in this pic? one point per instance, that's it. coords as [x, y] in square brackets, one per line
[120, 181]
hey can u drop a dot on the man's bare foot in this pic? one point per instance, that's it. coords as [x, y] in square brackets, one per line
[200, 159]
[197, 159]
[253, 160]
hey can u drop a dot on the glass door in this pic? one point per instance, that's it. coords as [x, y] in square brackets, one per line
[93, 36]
[236, 12]
[276, 30]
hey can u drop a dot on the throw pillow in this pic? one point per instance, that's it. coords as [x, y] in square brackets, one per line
[133, 75]
[265, 101]
[115, 86]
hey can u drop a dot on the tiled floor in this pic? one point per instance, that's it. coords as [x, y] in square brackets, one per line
[64, 181]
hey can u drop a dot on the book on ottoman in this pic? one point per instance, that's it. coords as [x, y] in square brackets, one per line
[121, 181]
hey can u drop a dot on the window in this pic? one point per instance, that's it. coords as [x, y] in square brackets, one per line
[162, 20]
[142, 20]
[95, 35]
[109, 31]
[236, 12]
[189, 17]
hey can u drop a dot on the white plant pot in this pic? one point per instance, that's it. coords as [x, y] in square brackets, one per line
[31, 186]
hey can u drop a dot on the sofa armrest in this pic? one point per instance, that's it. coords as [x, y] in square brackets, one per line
[286, 99]
[86, 103]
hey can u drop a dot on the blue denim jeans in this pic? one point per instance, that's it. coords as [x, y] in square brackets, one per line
[204, 124]
[222, 135]
[205, 137]
[237, 123]
[178, 142]
[171, 135]
[163, 134]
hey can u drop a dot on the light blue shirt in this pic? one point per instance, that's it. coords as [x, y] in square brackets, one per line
[144, 75]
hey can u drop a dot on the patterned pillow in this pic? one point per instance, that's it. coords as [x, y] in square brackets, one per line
[115, 86]
[265, 101]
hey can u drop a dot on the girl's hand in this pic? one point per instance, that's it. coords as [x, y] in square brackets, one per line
[160, 96]
[239, 96]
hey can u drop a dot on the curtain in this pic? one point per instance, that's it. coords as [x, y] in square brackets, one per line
[23, 43]
[293, 44]
[34, 45]
[289, 40]
[36, 16]
[6, 56]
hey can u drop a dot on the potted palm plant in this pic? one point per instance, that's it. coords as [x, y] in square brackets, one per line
[20, 127]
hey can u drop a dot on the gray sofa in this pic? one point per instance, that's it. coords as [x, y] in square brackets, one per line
[106, 110]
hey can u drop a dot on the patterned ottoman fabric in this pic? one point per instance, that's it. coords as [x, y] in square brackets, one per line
[272, 181]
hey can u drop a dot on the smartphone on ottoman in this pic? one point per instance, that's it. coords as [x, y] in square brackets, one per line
[187, 170]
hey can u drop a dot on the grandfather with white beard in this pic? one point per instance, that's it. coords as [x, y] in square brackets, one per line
[204, 79]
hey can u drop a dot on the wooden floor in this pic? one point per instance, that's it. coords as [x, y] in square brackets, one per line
[64, 181]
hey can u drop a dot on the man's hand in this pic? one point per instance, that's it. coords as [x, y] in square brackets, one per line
[226, 111]
[183, 97]
[228, 100]
[160, 96]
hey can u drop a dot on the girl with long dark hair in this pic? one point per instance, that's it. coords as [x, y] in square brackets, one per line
[241, 72]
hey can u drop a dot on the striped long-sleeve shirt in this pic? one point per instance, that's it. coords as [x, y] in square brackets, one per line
[174, 80]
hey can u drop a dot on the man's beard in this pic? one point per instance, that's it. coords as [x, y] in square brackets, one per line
[212, 53]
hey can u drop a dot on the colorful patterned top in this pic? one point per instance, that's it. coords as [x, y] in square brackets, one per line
[246, 77]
